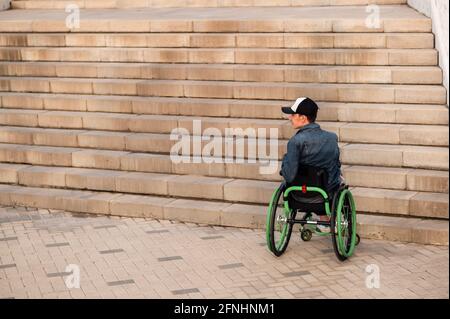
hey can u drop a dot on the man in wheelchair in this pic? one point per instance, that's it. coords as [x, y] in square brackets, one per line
[313, 185]
[311, 147]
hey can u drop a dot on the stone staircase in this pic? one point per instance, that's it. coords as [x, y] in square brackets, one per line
[87, 114]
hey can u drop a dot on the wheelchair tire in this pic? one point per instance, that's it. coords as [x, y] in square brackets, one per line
[343, 225]
[278, 230]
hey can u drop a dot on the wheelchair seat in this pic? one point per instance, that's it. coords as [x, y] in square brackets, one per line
[309, 202]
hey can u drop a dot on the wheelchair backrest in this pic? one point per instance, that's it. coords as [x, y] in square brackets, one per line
[311, 176]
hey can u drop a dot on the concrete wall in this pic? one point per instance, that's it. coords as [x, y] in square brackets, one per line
[4, 4]
[437, 10]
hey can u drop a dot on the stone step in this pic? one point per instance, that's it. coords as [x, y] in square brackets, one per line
[144, 142]
[388, 201]
[116, 4]
[418, 180]
[358, 57]
[259, 109]
[424, 231]
[265, 168]
[352, 19]
[397, 178]
[396, 156]
[223, 40]
[228, 72]
[21, 120]
[424, 182]
[365, 93]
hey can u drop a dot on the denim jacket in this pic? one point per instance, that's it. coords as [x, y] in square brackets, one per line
[313, 146]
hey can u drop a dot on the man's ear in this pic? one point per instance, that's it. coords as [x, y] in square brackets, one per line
[306, 119]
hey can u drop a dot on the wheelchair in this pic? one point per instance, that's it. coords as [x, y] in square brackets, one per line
[308, 195]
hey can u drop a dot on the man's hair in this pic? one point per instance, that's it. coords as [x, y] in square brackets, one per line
[311, 118]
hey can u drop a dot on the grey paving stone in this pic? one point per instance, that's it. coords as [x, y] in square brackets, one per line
[121, 282]
[111, 251]
[211, 237]
[170, 258]
[7, 266]
[185, 291]
[231, 266]
[8, 238]
[296, 273]
[57, 245]
[58, 274]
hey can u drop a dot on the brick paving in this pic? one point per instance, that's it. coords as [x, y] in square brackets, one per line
[147, 258]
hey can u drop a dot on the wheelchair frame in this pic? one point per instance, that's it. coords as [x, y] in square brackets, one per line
[342, 250]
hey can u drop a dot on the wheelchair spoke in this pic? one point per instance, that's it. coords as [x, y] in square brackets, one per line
[345, 223]
[281, 227]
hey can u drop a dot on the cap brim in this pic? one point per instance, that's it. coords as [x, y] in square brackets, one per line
[287, 110]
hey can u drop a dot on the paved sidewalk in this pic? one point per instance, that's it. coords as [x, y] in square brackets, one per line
[144, 258]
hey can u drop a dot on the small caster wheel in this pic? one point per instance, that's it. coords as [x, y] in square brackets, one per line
[358, 240]
[306, 235]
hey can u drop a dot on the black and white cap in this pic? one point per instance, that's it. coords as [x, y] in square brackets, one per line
[303, 106]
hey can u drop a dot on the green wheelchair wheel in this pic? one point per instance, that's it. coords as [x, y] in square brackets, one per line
[343, 225]
[278, 229]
